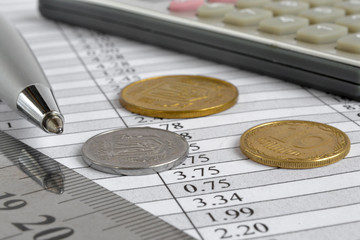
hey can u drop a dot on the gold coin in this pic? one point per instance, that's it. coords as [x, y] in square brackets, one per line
[295, 144]
[178, 96]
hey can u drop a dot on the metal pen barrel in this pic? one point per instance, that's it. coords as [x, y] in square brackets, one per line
[23, 85]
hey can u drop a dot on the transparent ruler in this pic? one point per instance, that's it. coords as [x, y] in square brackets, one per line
[41, 199]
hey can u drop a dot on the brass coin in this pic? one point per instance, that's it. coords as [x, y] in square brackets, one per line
[178, 96]
[295, 144]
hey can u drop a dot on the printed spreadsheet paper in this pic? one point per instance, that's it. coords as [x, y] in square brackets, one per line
[217, 193]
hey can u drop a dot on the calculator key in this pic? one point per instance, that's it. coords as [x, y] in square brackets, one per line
[351, 6]
[321, 33]
[222, 1]
[246, 16]
[350, 43]
[251, 3]
[185, 5]
[352, 22]
[286, 7]
[317, 3]
[283, 24]
[211, 10]
[322, 14]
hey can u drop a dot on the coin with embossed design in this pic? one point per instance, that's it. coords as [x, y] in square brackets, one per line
[178, 96]
[135, 151]
[295, 144]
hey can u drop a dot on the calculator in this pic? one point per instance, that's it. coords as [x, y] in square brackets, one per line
[314, 43]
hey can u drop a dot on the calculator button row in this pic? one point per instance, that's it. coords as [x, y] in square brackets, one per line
[321, 33]
[317, 3]
[253, 16]
[247, 16]
[278, 7]
[214, 10]
[251, 3]
[311, 21]
[283, 25]
[322, 14]
[286, 7]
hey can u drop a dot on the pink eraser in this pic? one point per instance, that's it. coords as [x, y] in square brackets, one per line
[185, 5]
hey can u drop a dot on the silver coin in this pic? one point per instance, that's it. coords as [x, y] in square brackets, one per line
[135, 151]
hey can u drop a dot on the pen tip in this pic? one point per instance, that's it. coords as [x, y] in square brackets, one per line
[55, 125]
[59, 130]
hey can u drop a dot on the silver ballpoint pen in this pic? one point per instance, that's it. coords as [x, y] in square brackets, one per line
[23, 85]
